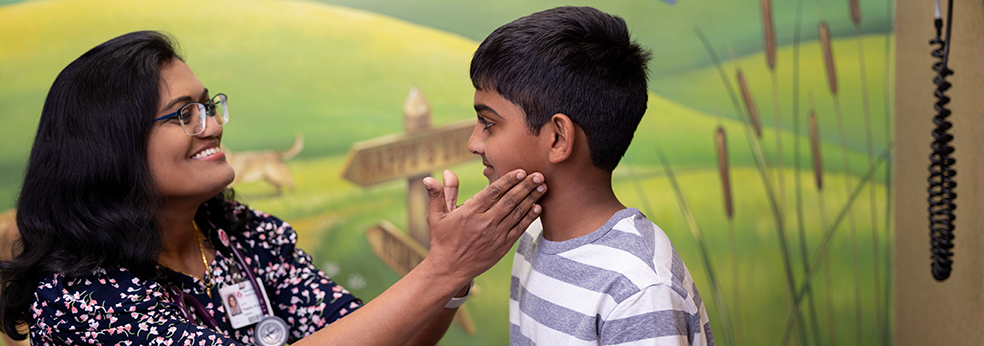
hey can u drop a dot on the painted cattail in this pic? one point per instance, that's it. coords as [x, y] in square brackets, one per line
[815, 149]
[769, 33]
[721, 144]
[828, 56]
[855, 12]
[749, 103]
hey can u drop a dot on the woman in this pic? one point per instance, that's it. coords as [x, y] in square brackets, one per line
[129, 235]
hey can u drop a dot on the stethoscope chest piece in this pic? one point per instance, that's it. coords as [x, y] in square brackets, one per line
[271, 331]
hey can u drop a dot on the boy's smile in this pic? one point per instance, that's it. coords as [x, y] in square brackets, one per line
[501, 136]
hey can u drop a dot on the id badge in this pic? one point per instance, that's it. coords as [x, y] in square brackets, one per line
[241, 303]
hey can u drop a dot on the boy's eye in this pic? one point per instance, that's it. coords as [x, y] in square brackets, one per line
[485, 123]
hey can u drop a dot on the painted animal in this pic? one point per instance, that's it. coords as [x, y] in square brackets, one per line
[266, 165]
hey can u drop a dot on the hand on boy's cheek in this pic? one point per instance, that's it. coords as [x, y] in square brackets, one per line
[471, 238]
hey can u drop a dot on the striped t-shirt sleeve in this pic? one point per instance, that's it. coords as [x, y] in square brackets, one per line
[656, 315]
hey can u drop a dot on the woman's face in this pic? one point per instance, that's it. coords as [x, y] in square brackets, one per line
[183, 166]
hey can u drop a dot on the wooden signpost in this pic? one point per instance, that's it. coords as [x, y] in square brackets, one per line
[411, 155]
[8, 234]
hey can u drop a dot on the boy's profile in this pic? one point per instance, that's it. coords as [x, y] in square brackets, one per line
[561, 92]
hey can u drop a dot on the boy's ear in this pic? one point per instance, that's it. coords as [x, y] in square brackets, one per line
[561, 137]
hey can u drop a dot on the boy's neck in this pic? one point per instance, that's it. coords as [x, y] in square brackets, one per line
[578, 204]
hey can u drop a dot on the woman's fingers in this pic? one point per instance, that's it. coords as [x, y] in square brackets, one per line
[437, 202]
[518, 230]
[490, 195]
[450, 189]
[516, 202]
[523, 214]
[476, 235]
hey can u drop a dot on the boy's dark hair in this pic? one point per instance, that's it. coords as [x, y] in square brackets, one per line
[578, 61]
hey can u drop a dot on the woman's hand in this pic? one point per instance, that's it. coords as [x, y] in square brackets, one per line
[465, 242]
[470, 239]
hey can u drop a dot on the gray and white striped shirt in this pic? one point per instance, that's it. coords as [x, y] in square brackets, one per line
[623, 284]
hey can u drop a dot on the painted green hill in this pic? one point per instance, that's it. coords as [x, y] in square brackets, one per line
[666, 29]
[337, 75]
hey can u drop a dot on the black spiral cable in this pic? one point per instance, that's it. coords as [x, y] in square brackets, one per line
[941, 172]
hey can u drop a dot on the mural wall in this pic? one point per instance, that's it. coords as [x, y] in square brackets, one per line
[763, 154]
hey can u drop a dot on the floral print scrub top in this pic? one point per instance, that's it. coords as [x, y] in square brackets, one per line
[114, 307]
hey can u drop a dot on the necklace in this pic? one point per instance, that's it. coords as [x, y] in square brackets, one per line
[207, 279]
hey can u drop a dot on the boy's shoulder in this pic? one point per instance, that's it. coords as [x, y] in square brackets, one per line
[629, 244]
[628, 230]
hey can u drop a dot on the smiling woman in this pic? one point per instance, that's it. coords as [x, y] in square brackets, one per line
[130, 234]
[183, 151]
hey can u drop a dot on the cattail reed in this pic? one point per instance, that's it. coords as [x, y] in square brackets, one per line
[855, 12]
[769, 40]
[852, 226]
[770, 57]
[721, 146]
[828, 57]
[815, 150]
[769, 34]
[746, 94]
[760, 163]
[804, 253]
[887, 107]
[705, 251]
[818, 173]
[873, 199]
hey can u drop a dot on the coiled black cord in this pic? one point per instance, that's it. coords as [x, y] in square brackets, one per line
[941, 172]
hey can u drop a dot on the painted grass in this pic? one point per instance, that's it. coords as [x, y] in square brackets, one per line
[687, 138]
[761, 265]
[701, 89]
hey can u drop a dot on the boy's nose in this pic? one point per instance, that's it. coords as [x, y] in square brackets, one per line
[475, 144]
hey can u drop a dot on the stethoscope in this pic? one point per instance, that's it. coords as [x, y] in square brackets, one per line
[269, 331]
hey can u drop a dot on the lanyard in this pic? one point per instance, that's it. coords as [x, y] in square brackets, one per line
[260, 293]
[183, 299]
[268, 331]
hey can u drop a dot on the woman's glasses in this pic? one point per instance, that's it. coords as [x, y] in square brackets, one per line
[192, 116]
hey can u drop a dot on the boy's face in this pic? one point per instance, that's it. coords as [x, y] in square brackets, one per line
[501, 137]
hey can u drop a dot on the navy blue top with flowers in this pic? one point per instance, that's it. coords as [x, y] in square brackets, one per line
[114, 307]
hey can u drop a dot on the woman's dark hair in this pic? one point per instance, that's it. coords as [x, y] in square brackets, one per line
[88, 200]
[578, 61]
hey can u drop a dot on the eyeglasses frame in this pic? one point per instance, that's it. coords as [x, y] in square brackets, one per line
[209, 110]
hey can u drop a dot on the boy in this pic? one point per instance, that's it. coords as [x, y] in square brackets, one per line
[561, 92]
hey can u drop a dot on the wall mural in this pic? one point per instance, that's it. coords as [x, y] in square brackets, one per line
[763, 154]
